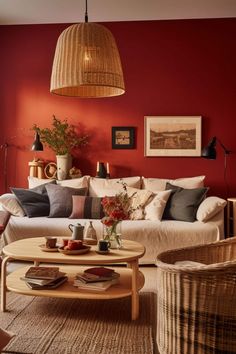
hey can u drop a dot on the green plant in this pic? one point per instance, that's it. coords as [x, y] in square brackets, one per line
[62, 138]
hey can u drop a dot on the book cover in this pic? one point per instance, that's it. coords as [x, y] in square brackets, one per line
[41, 282]
[99, 272]
[97, 286]
[85, 278]
[53, 285]
[42, 272]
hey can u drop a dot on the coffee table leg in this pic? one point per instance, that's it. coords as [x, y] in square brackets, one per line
[4, 283]
[135, 295]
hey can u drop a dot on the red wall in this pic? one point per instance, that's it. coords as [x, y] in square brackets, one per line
[170, 68]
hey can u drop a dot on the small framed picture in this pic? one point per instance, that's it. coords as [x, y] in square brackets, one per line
[122, 137]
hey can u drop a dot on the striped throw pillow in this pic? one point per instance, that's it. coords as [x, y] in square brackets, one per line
[86, 207]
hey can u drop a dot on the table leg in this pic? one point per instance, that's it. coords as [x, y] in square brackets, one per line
[135, 295]
[4, 283]
[36, 263]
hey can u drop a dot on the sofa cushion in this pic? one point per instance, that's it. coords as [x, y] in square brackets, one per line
[138, 200]
[101, 187]
[183, 203]
[60, 199]
[155, 208]
[81, 182]
[159, 184]
[35, 181]
[10, 203]
[84, 207]
[34, 201]
[209, 208]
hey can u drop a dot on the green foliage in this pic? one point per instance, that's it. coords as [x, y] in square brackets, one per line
[62, 138]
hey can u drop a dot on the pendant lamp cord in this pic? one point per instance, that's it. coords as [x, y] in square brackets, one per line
[86, 11]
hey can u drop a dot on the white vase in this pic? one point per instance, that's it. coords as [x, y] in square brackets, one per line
[64, 164]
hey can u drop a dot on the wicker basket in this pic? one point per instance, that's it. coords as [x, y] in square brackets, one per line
[197, 304]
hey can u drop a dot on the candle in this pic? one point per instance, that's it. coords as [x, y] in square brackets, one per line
[108, 171]
[97, 166]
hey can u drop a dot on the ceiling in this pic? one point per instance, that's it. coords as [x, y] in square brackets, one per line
[71, 11]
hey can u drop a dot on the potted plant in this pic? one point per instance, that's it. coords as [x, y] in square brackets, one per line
[62, 138]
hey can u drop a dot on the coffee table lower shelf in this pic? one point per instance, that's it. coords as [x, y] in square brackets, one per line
[67, 290]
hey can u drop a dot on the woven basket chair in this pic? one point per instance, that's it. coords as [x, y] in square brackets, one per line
[197, 304]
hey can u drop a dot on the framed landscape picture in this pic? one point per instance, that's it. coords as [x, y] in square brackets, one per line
[122, 137]
[173, 136]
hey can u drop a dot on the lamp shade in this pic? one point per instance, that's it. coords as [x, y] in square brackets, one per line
[209, 151]
[87, 63]
[37, 145]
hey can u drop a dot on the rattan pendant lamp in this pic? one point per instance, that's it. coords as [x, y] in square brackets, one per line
[87, 62]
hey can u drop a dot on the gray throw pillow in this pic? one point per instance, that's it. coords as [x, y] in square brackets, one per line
[60, 199]
[183, 203]
[33, 201]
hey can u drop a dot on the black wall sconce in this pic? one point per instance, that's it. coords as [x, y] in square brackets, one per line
[209, 152]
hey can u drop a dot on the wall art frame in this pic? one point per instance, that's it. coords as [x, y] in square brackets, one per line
[172, 136]
[123, 137]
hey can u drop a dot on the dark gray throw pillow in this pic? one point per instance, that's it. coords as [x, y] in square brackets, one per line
[60, 199]
[33, 203]
[183, 203]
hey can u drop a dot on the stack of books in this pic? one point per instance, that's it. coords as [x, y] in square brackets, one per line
[43, 278]
[96, 278]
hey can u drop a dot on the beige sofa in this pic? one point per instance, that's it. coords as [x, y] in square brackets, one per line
[157, 236]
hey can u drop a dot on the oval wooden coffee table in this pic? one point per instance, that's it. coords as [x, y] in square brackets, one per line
[131, 279]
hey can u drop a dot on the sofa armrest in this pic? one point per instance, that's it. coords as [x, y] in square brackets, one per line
[4, 217]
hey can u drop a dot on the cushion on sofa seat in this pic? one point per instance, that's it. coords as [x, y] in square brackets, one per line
[60, 199]
[101, 187]
[209, 208]
[33, 201]
[84, 207]
[183, 203]
[81, 182]
[138, 199]
[155, 208]
[35, 181]
[159, 184]
[10, 203]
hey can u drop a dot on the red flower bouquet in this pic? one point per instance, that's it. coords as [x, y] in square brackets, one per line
[116, 209]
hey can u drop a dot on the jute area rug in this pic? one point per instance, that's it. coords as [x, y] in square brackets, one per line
[64, 326]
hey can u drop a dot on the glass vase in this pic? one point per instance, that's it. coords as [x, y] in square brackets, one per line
[113, 235]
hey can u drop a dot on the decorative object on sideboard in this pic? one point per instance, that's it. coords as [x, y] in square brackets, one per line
[75, 172]
[209, 152]
[36, 166]
[87, 62]
[62, 138]
[172, 136]
[123, 137]
[101, 171]
[50, 170]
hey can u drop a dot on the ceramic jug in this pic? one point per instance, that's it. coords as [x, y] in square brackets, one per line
[77, 231]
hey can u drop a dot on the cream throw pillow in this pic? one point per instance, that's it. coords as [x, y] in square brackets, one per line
[209, 208]
[155, 209]
[101, 187]
[35, 181]
[159, 184]
[139, 198]
[81, 182]
[10, 203]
